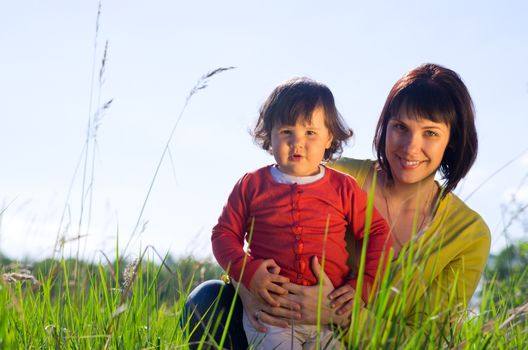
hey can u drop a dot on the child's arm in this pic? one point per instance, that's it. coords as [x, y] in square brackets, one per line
[379, 240]
[228, 245]
[228, 234]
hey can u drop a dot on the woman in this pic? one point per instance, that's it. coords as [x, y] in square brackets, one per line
[426, 127]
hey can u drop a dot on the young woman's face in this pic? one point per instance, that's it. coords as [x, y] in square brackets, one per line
[299, 149]
[415, 147]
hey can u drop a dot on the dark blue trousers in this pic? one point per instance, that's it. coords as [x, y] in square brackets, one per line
[205, 317]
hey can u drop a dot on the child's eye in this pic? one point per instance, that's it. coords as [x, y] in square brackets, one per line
[311, 133]
[284, 132]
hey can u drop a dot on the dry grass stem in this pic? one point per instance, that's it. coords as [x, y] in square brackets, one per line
[12, 277]
[200, 85]
[515, 313]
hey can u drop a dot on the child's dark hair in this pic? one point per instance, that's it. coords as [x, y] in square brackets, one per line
[298, 98]
[436, 93]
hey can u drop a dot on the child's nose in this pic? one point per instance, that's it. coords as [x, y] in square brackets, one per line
[297, 140]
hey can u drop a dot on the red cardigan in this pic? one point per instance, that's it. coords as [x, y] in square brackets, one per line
[290, 221]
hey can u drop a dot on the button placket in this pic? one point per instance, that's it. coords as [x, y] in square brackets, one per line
[298, 244]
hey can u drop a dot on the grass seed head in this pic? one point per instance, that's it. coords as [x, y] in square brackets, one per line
[12, 277]
[129, 274]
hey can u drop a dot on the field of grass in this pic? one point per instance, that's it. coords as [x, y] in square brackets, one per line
[67, 304]
[73, 305]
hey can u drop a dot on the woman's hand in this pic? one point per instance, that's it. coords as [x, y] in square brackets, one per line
[308, 297]
[259, 312]
[342, 299]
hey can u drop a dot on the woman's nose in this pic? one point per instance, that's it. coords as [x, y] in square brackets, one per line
[412, 143]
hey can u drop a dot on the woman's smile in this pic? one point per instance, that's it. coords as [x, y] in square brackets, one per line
[410, 164]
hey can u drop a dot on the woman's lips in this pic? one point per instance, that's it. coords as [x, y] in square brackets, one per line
[410, 164]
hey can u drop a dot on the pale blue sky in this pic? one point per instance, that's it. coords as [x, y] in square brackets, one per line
[158, 50]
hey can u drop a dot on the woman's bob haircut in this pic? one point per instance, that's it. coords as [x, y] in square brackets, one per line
[438, 94]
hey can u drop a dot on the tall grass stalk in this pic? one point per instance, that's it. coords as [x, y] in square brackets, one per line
[320, 294]
[232, 307]
[200, 85]
[87, 155]
[353, 337]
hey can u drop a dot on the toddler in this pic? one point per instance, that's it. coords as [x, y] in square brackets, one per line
[285, 210]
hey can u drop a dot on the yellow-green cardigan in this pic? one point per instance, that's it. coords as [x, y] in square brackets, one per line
[447, 259]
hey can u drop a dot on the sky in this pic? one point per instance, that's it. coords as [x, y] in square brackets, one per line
[157, 50]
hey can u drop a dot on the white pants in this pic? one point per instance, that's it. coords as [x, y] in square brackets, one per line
[297, 337]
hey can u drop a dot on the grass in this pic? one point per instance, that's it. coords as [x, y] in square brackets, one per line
[84, 306]
[101, 308]
[69, 312]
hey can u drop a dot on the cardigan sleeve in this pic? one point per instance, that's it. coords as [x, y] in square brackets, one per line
[362, 220]
[229, 233]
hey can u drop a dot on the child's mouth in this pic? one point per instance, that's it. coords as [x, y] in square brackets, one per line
[296, 157]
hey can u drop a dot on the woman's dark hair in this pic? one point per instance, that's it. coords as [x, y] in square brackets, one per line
[298, 98]
[438, 94]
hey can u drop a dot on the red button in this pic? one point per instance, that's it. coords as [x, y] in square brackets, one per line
[297, 229]
[299, 247]
[301, 266]
[299, 275]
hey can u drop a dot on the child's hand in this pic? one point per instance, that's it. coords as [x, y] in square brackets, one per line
[265, 281]
[342, 299]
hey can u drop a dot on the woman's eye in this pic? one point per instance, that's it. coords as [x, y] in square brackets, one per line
[399, 127]
[431, 133]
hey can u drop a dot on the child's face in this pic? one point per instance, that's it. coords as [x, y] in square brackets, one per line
[299, 149]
